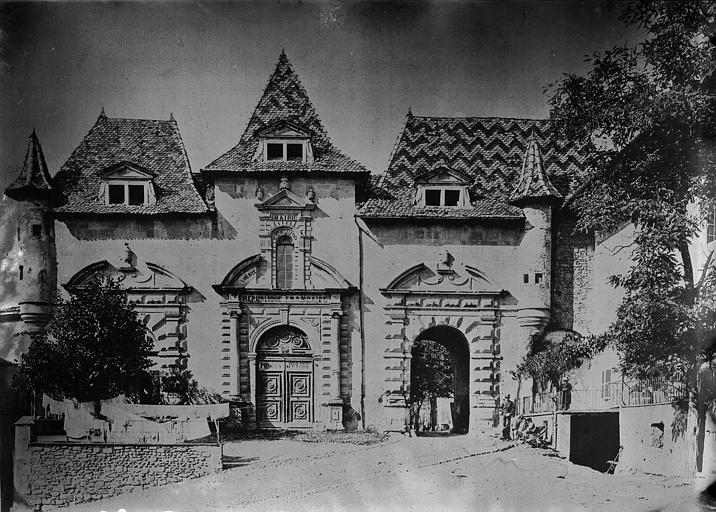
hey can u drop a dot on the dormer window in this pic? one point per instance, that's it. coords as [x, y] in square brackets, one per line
[284, 142]
[128, 193]
[442, 187]
[442, 197]
[127, 184]
[285, 151]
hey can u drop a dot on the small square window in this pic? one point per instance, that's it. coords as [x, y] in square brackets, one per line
[432, 198]
[538, 277]
[452, 197]
[526, 278]
[116, 194]
[274, 151]
[136, 194]
[36, 230]
[294, 152]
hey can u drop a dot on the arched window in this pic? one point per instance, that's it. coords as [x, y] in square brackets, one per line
[284, 262]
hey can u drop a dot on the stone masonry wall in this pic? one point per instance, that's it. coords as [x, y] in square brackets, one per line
[64, 474]
[572, 279]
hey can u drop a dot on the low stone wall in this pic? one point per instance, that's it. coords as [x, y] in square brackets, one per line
[51, 475]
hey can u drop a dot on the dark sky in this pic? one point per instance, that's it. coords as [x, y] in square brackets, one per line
[363, 65]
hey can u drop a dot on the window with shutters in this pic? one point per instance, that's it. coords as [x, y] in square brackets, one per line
[606, 384]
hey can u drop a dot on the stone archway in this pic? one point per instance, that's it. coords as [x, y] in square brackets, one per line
[452, 302]
[284, 378]
[457, 345]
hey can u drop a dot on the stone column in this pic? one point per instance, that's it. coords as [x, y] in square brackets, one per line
[335, 402]
[336, 355]
[234, 354]
[252, 378]
[22, 468]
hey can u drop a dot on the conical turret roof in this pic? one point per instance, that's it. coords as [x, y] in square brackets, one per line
[533, 182]
[34, 180]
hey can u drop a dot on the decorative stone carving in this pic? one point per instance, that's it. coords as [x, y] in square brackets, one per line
[452, 278]
[445, 261]
[283, 340]
[128, 260]
[209, 194]
[311, 195]
[260, 193]
[283, 185]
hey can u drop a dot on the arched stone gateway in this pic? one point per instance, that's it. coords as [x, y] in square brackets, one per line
[460, 308]
[456, 343]
[286, 350]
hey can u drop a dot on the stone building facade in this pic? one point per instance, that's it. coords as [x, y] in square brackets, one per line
[292, 281]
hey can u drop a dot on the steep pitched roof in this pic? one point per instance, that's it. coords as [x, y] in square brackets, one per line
[34, 179]
[534, 183]
[284, 99]
[488, 149]
[154, 145]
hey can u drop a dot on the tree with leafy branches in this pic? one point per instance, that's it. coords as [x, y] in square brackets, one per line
[647, 110]
[431, 377]
[548, 362]
[94, 348]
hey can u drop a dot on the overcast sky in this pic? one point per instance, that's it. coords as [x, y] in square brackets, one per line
[363, 65]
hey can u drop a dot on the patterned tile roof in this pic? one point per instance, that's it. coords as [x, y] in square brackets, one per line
[154, 145]
[490, 150]
[284, 99]
[34, 179]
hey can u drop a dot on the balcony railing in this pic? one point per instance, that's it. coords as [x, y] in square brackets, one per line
[609, 396]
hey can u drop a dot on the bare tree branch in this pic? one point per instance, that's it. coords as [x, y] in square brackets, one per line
[704, 271]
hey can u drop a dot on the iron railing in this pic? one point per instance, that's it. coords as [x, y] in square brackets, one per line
[609, 396]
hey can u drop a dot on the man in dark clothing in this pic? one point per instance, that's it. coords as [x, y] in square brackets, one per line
[566, 394]
[508, 410]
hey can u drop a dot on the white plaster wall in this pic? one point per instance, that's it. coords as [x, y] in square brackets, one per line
[389, 251]
[203, 261]
[635, 434]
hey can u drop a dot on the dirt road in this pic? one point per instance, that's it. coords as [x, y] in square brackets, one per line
[404, 474]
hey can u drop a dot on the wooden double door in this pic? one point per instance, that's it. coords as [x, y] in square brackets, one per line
[284, 391]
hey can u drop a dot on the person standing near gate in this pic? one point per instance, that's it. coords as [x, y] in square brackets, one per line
[508, 410]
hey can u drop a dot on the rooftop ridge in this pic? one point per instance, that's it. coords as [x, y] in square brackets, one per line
[139, 119]
[498, 118]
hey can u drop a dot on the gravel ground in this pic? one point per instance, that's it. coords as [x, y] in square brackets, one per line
[404, 474]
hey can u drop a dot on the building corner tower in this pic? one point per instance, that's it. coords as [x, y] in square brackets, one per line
[31, 266]
[536, 195]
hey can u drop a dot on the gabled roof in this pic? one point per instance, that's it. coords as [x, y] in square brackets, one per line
[147, 144]
[534, 183]
[489, 150]
[34, 179]
[124, 167]
[286, 199]
[284, 129]
[284, 100]
[443, 175]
